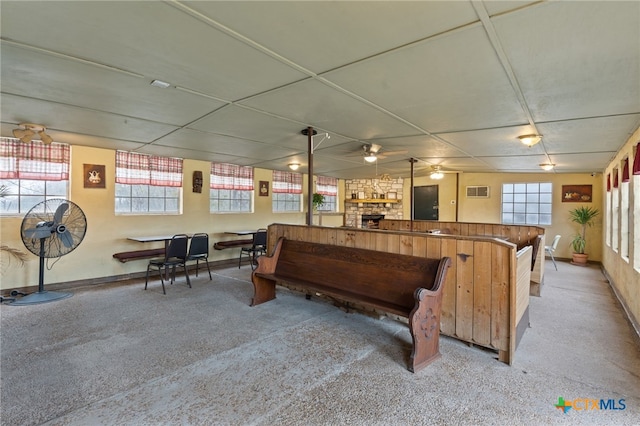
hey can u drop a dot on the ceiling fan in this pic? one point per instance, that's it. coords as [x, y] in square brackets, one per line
[436, 171]
[372, 152]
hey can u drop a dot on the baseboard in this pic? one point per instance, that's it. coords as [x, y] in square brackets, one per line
[134, 276]
[632, 320]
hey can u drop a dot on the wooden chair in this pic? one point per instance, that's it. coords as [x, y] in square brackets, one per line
[175, 255]
[199, 250]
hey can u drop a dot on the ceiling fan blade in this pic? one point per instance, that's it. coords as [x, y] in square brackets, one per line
[60, 211]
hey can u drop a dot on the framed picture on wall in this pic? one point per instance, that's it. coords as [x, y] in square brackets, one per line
[263, 188]
[94, 176]
[577, 193]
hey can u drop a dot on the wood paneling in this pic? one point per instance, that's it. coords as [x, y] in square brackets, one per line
[487, 287]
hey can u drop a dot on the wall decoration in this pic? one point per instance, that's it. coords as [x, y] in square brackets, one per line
[94, 176]
[197, 181]
[264, 188]
[577, 193]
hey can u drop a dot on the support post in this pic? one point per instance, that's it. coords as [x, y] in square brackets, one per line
[310, 177]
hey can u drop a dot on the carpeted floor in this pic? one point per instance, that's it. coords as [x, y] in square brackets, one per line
[118, 355]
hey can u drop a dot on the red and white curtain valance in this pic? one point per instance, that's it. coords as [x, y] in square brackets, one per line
[327, 185]
[287, 182]
[34, 160]
[231, 176]
[133, 168]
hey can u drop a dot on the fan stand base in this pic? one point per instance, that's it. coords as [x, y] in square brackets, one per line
[41, 297]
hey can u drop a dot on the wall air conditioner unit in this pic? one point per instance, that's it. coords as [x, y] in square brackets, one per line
[477, 192]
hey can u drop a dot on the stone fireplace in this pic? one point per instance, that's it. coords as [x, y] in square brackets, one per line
[369, 200]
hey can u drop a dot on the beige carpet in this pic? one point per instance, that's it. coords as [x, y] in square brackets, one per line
[118, 355]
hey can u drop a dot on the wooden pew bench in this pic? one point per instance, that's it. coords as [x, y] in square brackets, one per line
[126, 256]
[406, 286]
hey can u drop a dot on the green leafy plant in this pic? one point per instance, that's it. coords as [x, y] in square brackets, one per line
[16, 254]
[318, 200]
[584, 217]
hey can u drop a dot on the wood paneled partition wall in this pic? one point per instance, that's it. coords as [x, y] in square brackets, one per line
[520, 235]
[486, 293]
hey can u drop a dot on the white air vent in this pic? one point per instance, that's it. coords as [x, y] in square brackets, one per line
[477, 192]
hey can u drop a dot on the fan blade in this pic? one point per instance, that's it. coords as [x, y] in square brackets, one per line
[66, 238]
[60, 211]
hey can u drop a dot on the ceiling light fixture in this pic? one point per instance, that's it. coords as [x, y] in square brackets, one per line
[159, 83]
[547, 166]
[28, 132]
[436, 175]
[370, 158]
[294, 166]
[530, 140]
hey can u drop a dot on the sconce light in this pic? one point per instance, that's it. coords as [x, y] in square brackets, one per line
[294, 166]
[530, 140]
[370, 158]
[28, 132]
[547, 166]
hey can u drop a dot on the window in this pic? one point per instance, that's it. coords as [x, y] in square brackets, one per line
[615, 212]
[608, 202]
[328, 187]
[231, 188]
[147, 184]
[527, 203]
[31, 173]
[624, 211]
[287, 192]
[636, 208]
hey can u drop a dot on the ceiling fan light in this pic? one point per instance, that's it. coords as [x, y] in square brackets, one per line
[370, 158]
[45, 138]
[530, 140]
[294, 166]
[547, 166]
[436, 175]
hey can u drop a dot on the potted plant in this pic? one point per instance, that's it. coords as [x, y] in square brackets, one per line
[318, 200]
[16, 254]
[584, 217]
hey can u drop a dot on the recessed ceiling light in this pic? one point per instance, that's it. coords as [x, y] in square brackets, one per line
[159, 83]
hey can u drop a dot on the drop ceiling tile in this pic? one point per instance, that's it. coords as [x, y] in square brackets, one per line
[492, 142]
[575, 59]
[218, 144]
[62, 117]
[38, 75]
[154, 39]
[321, 106]
[324, 35]
[588, 135]
[451, 82]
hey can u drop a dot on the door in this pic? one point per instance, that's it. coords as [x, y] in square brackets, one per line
[425, 202]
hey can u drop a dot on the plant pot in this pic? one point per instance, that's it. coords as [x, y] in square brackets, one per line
[580, 259]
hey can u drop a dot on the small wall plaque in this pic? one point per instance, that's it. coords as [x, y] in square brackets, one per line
[263, 190]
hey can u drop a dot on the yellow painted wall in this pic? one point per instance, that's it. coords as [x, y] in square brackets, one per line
[625, 273]
[107, 232]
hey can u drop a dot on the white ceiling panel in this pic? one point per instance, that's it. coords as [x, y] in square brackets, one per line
[319, 105]
[450, 83]
[314, 34]
[35, 74]
[149, 38]
[575, 60]
[62, 117]
[592, 134]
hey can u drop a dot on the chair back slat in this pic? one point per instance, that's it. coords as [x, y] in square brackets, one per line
[199, 245]
[177, 247]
